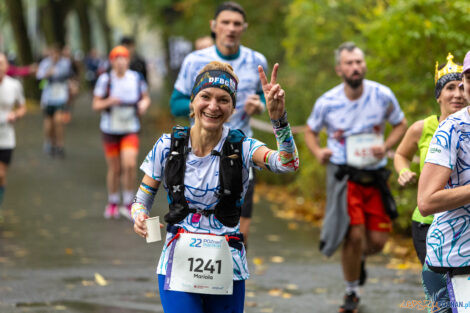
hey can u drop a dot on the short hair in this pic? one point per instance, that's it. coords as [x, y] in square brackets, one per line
[127, 41]
[348, 46]
[230, 6]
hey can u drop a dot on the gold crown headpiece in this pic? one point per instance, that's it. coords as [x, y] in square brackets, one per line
[450, 67]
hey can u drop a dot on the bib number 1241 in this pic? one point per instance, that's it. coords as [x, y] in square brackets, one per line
[199, 266]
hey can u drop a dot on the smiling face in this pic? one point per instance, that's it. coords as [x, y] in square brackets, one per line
[451, 98]
[228, 28]
[212, 108]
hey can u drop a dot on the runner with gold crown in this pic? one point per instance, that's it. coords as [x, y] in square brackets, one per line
[443, 190]
[418, 137]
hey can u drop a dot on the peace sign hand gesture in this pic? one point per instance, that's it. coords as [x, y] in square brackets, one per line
[274, 94]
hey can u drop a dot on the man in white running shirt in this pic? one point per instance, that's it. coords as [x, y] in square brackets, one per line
[227, 27]
[359, 205]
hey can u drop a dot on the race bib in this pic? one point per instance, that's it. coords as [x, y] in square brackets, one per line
[58, 93]
[358, 149]
[459, 293]
[200, 264]
[123, 119]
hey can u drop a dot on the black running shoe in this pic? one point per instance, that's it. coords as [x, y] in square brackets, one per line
[363, 276]
[351, 303]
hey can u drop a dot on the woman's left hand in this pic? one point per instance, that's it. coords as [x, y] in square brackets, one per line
[274, 94]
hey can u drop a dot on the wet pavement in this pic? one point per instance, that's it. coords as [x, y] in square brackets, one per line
[58, 253]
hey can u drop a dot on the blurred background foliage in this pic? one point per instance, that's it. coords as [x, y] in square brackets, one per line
[402, 40]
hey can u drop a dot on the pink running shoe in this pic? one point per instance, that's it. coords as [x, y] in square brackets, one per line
[111, 211]
[126, 211]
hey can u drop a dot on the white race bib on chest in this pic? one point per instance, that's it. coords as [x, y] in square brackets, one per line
[123, 119]
[58, 93]
[358, 149]
[200, 263]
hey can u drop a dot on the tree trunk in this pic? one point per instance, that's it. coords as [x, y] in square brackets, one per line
[53, 15]
[23, 45]
[85, 29]
[101, 12]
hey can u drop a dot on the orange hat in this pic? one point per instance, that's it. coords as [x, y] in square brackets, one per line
[119, 51]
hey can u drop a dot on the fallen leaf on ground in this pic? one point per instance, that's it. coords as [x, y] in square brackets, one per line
[273, 238]
[100, 280]
[277, 259]
[68, 251]
[258, 261]
[87, 283]
[60, 308]
[293, 226]
[250, 294]
[276, 292]
[251, 304]
[286, 295]
[150, 295]
[292, 287]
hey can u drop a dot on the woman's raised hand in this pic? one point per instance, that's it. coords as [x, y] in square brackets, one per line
[274, 94]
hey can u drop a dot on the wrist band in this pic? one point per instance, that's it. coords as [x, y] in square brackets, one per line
[403, 170]
[281, 122]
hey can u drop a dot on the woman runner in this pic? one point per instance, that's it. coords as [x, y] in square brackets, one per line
[443, 190]
[417, 138]
[122, 97]
[212, 101]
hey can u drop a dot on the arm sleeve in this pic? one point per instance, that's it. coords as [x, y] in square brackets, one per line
[179, 103]
[286, 158]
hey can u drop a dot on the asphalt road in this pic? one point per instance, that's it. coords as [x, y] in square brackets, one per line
[58, 253]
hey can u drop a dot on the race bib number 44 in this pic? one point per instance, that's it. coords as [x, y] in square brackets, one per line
[358, 149]
[200, 263]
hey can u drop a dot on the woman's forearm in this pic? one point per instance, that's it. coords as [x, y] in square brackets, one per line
[286, 158]
[444, 200]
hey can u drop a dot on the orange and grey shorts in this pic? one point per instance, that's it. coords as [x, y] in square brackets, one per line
[365, 207]
[114, 144]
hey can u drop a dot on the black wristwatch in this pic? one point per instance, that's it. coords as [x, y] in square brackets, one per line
[281, 122]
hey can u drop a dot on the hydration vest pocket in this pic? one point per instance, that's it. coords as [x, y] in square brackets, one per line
[177, 213]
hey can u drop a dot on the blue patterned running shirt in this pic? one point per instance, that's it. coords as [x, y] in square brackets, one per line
[447, 243]
[201, 183]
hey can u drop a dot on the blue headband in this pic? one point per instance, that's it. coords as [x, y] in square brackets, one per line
[216, 79]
